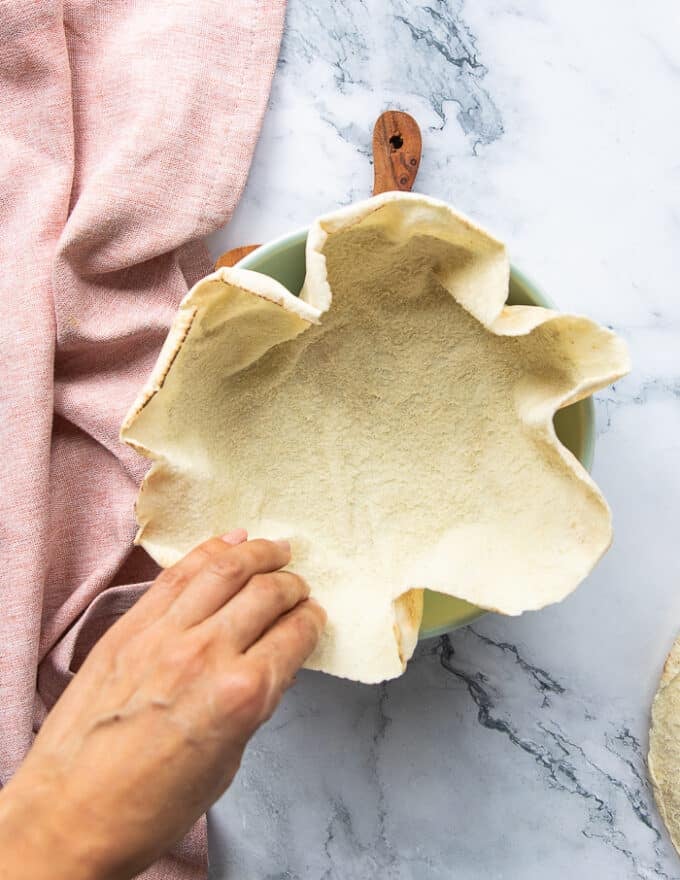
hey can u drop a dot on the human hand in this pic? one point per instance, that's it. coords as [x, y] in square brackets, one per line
[151, 730]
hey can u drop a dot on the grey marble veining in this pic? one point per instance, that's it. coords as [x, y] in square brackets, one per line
[514, 748]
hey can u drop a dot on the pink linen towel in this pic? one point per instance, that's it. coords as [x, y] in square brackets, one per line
[126, 133]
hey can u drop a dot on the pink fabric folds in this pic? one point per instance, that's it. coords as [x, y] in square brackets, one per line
[126, 132]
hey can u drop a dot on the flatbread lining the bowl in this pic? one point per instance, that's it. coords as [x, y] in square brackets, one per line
[394, 423]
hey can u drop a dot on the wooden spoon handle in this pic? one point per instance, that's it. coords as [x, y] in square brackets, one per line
[231, 258]
[397, 146]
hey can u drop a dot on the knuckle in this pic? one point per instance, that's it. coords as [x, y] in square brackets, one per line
[262, 545]
[244, 690]
[271, 588]
[204, 552]
[171, 580]
[228, 567]
[267, 552]
[305, 625]
[184, 659]
[284, 588]
[301, 585]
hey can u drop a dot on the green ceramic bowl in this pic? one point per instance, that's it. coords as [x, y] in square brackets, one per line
[284, 260]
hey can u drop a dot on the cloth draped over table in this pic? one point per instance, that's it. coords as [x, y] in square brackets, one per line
[126, 133]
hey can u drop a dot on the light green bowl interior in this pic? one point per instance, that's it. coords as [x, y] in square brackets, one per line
[284, 260]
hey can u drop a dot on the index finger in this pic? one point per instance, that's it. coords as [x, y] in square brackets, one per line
[222, 571]
[167, 586]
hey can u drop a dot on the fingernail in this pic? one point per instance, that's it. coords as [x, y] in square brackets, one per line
[284, 545]
[235, 536]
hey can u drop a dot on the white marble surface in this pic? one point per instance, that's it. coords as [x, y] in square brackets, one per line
[514, 748]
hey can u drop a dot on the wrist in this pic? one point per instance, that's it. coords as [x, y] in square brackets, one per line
[37, 840]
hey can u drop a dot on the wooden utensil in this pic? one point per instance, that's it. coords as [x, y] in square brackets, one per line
[230, 258]
[397, 147]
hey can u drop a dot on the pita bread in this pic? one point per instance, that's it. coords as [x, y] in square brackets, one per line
[664, 745]
[672, 665]
[394, 422]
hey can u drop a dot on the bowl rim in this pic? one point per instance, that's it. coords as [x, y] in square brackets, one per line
[298, 236]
